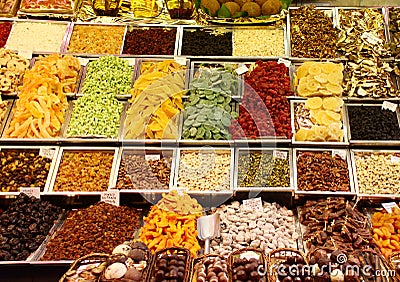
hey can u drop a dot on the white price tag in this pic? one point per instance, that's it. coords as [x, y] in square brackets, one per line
[131, 61]
[27, 54]
[341, 154]
[83, 61]
[48, 153]
[395, 159]
[371, 38]
[110, 197]
[249, 255]
[255, 204]
[181, 191]
[31, 191]
[241, 70]
[152, 157]
[181, 60]
[280, 155]
[389, 206]
[287, 63]
[389, 106]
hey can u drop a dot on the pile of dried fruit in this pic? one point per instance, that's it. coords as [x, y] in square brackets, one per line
[172, 223]
[156, 101]
[386, 227]
[319, 119]
[265, 109]
[3, 110]
[319, 79]
[394, 28]
[12, 69]
[42, 103]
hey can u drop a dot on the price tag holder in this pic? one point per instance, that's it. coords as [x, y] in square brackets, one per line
[341, 154]
[394, 159]
[110, 197]
[152, 157]
[48, 153]
[389, 206]
[255, 204]
[31, 191]
[389, 106]
[131, 61]
[241, 70]
[287, 63]
[280, 154]
[27, 54]
[181, 60]
[83, 61]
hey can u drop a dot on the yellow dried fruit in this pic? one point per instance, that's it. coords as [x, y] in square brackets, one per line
[332, 103]
[335, 89]
[313, 85]
[313, 103]
[321, 78]
[302, 134]
[314, 69]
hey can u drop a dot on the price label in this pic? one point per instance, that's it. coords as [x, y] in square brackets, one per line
[241, 70]
[83, 61]
[341, 154]
[27, 54]
[48, 153]
[395, 159]
[131, 61]
[280, 155]
[152, 157]
[31, 191]
[181, 191]
[389, 206]
[287, 63]
[389, 106]
[249, 255]
[255, 204]
[180, 60]
[110, 197]
[371, 38]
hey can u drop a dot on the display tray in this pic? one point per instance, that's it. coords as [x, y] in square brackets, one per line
[64, 138]
[195, 67]
[85, 61]
[46, 7]
[388, 11]
[330, 12]
[205, 151]
[150, 26]
[149, 153]
[7, 113]
[372, 196]
[344, 153]
[344, 121]
[47, 151]
[38, 51]
[104, 27]
[11, 10]
[111, 150]
[281, 153]
[370, 142]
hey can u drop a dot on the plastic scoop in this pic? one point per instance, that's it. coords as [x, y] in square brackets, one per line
[208, 228]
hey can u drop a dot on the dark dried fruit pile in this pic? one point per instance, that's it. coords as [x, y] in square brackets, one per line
[265, 109]
[24, 226]
[205, 43]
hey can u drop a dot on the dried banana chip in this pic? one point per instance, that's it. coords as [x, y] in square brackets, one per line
[313, 103]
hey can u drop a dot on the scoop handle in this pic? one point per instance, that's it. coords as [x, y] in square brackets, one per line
[207, 246]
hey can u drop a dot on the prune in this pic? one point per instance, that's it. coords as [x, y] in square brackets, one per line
[21, 234]
[194, 42]
[373, 123]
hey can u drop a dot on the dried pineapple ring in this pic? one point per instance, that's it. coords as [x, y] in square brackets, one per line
[321, 78]
[313, 85]
[317, 116]
[326, 119]
[315, 69]
[5, 82]
[334, 116]
[328, 67]
[332, 103]
[319, 133]
[334, 78]
[313, 103]
[303, 91]
[302, 71]
[335, 89]
[325, 92]
[302, 134]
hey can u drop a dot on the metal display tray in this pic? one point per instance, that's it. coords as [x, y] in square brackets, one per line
[48, 151]
[148, 153]
[50, 191]
[105, 25]
[377, 197]
[331, 12]
[285, 153]
[7, 113]
[343, 143]
[370, 142]
[90, 138]
[345, 152]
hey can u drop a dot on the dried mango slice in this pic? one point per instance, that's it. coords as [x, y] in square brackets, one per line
[302, 134]
[321, 78]
[313, 103]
